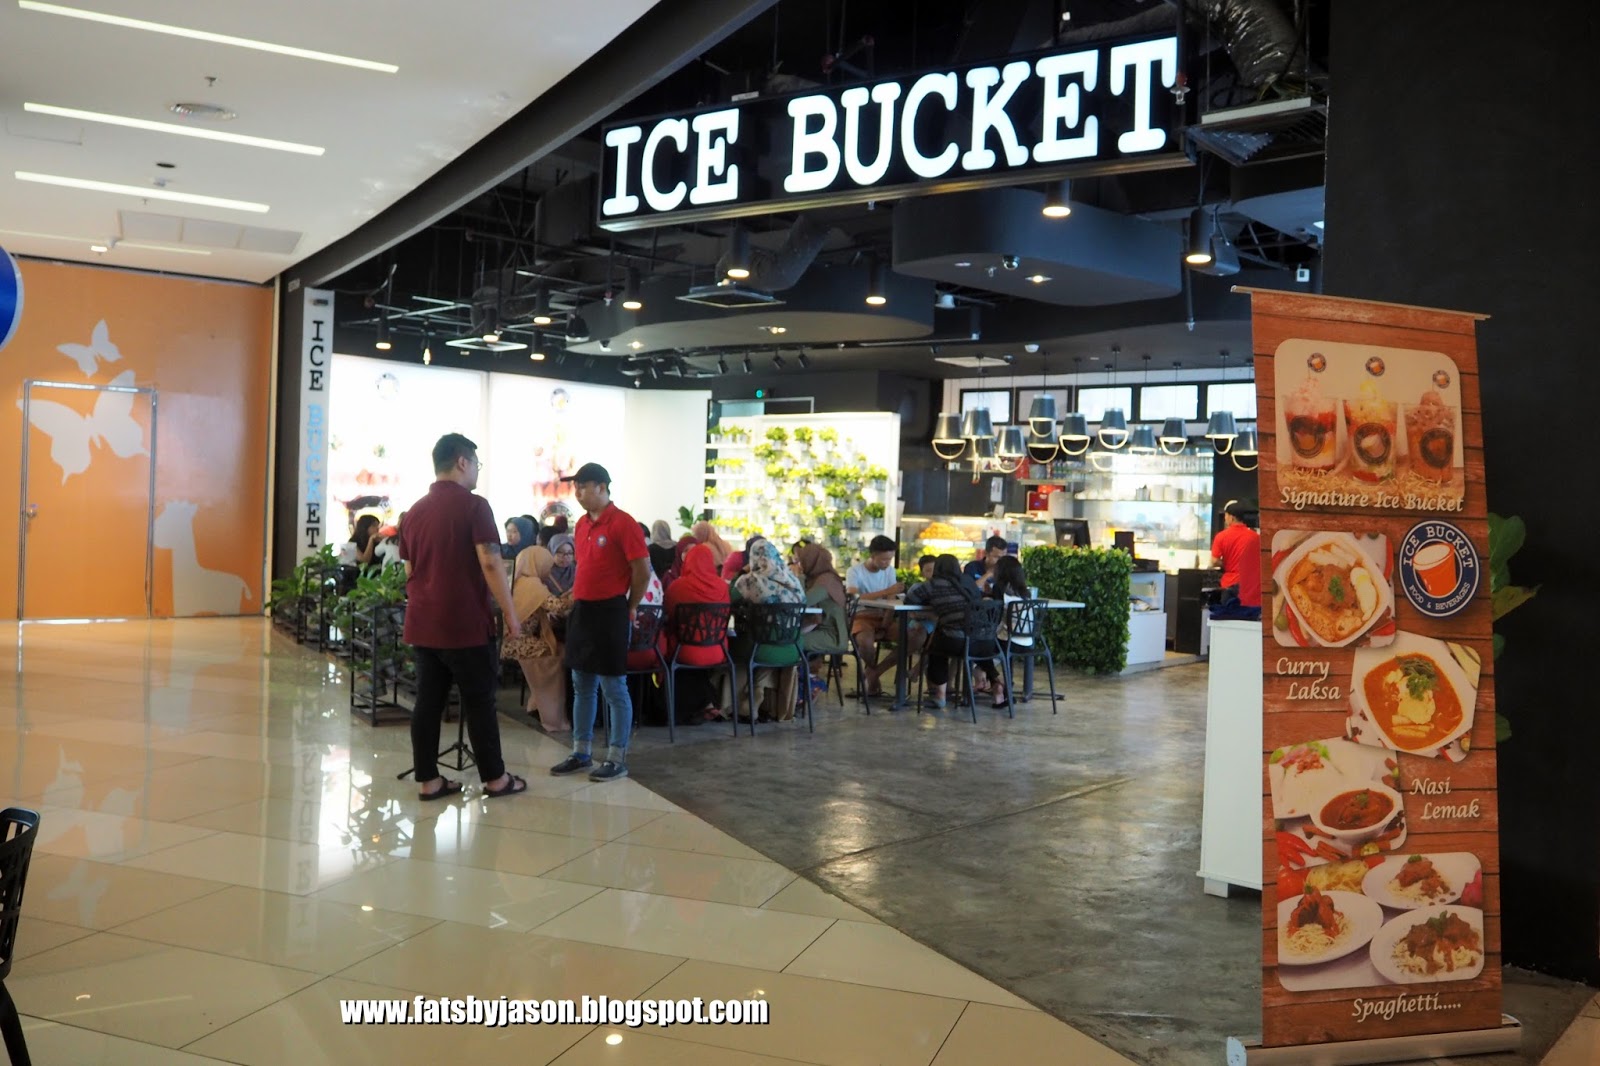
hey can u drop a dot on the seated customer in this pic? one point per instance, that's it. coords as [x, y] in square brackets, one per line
[874, 579]
[519, 536]
[824, 589]
[697, 583]
[662, 547]
[948, 594]
[565, 570]
[768, 582]
[981, 569]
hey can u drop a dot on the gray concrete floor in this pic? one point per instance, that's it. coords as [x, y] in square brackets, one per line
[1055, 855]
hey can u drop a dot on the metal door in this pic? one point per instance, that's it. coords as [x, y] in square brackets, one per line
[84, 545]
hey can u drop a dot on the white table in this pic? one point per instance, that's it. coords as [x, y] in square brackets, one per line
[904, 611]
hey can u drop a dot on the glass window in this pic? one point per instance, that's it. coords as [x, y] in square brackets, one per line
[1236, 396]
[1094, 402]
[998, 401]
[1157, 402]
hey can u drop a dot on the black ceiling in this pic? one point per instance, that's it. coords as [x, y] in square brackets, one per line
[534, 238]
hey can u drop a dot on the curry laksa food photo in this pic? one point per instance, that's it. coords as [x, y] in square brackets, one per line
[1414, 696]
[1332, 590]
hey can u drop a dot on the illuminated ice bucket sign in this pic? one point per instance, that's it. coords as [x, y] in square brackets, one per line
[1092, 111]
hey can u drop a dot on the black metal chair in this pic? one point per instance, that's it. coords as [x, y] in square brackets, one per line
[18, 830]
[886, 645]
[699, 625]
[982, 644]
[1022, 619]
[769, 625]
[647, 622]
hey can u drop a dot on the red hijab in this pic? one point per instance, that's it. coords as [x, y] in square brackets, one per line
[675, 571]
[699, 582]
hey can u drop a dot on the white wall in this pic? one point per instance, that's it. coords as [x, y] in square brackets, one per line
[541, 430]
[664, 459]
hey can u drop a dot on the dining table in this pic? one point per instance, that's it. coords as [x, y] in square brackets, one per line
[904, 612]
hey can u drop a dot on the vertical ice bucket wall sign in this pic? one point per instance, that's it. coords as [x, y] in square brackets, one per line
[10, 297]
[1026, 118]
[316, 360]
[1381, 910]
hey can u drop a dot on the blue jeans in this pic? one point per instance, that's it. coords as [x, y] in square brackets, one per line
[585, 687]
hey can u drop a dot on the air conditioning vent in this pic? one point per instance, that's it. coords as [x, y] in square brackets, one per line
[1260, 133]
[729, 296]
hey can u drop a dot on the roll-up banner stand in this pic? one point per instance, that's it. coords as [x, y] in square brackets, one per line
[1381, 859]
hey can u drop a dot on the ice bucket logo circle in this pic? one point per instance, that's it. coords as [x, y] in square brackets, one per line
[1439, 569]
[10, 297]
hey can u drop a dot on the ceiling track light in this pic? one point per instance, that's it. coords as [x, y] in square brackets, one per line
[804, 360]
[541, 306]
[383, 343]
[747, 368]
[630, 291]
[1058, 199]
[491, 327]
[1202, 224]
[722, 365]
[876, 295]
[738, 267]
[536, 351]
[777, 362]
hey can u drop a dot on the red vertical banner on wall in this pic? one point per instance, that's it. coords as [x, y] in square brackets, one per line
[1381, 906]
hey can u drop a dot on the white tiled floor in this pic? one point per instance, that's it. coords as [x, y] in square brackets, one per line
[225, 854]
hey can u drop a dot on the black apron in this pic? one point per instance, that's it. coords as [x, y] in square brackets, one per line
[597, 637]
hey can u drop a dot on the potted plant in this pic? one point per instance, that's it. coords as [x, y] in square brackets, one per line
[777, 435]
[874, 513]
[835, 535]
[775, 471]
[766, 452]
[829, 436]
[878, 477]
[804, 434]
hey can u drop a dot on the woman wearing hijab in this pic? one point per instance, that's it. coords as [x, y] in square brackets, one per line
[738, 563]
[519, 537]
[663, 549]
[538, 650]
[565, 570]
[948, 594]
[824, 589]
[769, 582]
[704, 533]
[679, 554]
[698, 583]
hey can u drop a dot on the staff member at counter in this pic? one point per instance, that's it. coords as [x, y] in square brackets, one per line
[1237, 549]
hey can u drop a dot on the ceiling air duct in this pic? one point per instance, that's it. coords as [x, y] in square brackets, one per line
[770, 271]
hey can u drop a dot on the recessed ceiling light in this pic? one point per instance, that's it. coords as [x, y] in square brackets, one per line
[173, 127]
[205, 35]
[636, 345]
[143, 193]
[1039, 279]
[963, 263]
[775, 330]
[97, 247]
[536, 356]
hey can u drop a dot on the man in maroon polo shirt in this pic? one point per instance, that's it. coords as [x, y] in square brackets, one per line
[613, 573]
[451, 547]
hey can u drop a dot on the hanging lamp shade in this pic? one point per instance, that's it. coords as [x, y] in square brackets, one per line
[983, 448]
[1075, 428]
[1221, 431]
[1113, 428]
[1143, 440]
[1042, 413]
[1201, 226]
[976, 424]
[1012, 445]
[1042, 447]
[1174, 436]
[1247, 445]
[948, 443]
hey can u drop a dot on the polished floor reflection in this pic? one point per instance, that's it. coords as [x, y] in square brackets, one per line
[224, 855]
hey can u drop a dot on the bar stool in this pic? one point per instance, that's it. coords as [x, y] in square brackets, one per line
[18, 830]
[700, 625]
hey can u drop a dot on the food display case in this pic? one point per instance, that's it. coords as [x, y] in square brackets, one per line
[1164, 500]
[963, 535]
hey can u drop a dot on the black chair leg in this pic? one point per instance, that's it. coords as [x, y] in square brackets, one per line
[1011, 696]
[672, 707]
[1050, 666]
[966, 679]
[11, 1029]
[733, 692]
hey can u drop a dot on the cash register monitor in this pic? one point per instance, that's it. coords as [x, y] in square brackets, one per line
[1072, 531]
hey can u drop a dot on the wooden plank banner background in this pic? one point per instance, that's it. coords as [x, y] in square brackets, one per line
[1378, 675]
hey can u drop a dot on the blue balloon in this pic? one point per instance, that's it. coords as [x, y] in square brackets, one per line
[10, 297]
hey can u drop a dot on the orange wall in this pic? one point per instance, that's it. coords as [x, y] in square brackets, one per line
[206, 347]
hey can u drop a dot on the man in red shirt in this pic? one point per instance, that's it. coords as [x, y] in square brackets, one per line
[613, 564]
[451, 547]
[1237, 549]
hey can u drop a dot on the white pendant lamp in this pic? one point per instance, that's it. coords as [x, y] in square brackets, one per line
[1247, 446]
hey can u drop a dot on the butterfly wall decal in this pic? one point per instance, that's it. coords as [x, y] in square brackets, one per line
[72, 435]
[98, 350]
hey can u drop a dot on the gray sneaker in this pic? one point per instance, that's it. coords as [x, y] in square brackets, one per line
[608, 771]
[572, 764]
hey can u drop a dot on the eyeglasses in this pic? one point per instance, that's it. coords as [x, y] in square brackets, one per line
[563, 551]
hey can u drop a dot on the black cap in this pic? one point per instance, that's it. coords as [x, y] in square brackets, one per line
[1236, 508]
[589, 474]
